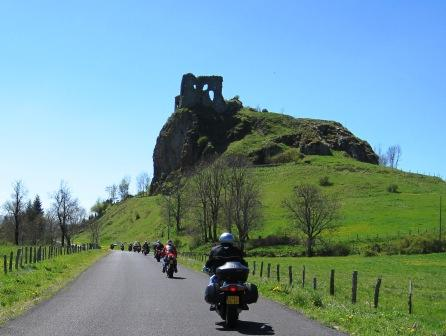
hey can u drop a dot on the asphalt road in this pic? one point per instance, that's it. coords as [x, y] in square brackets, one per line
[125, 293]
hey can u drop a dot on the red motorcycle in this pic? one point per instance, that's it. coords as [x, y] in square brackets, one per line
[170, 264]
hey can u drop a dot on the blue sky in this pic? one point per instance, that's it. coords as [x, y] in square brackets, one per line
[85, 86]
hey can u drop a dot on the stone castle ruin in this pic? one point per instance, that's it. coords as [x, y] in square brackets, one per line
[201, 90]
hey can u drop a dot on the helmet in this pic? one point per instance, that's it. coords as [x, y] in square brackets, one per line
[169, 242]
[226, 238]
[158, 241]
[145, 241]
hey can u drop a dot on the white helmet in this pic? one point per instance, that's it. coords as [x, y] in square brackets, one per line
[226, 238]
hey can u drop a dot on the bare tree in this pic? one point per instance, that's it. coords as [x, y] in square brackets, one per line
[16, 207]
[313, 213]
[143, 183]
[66, 210]
[393, 156]
[382, 157]
[124, 188]
[242, 197]
[112, 192]
[200, 189]
[176, 203]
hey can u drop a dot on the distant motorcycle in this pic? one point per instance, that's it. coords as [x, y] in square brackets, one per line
[157, 255]
[232, 293]
[130, 248]
[170, 265]
[145, 250]
[122, 247]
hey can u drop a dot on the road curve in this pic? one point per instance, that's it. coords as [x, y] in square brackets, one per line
[125, 293]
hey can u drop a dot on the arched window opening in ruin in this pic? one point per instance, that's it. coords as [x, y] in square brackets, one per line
[211, 95]
[205, 87]
[195, 86]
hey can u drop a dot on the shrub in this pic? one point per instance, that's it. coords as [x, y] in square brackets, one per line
[289, 155]
[333, 249]
[325, 181]
[392, 188]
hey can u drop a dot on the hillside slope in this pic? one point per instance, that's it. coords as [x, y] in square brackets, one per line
[194, 134]
[367, 207]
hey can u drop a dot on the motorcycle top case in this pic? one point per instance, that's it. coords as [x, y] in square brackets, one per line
[232, 271]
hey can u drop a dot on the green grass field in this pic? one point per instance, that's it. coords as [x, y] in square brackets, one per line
[428, 273]
[20, 290]
[368, 209]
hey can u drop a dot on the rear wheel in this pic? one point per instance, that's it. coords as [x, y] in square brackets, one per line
[170, 271]
[231, 316]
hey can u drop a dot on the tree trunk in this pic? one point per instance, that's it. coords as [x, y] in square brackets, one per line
[16, 232]
[309, 247]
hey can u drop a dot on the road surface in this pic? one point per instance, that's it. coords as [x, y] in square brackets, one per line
[125, 293]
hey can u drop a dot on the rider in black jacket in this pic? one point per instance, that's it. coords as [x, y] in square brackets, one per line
[225, 251]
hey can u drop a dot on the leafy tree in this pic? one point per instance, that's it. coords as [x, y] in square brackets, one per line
[124, 188]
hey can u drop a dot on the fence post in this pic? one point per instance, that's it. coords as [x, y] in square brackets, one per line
[290, 275]
[11, 257]
[354, 286]
[261, 269]
[26, 255]
[376, 296]
[278, 272]
[410, 297]
[314, 283]
[35, 255]
[303, 276]
[269, 270]
[17, 257]
[254, 268]
[5, 264]
[21, 258]
[332, 282]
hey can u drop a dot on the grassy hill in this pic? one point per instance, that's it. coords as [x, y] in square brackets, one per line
[368, 209]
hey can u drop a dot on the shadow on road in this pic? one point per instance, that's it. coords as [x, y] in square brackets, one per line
[178, 278]
[250, 328]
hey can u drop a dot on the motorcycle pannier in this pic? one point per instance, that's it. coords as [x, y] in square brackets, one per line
[210, 294]
[251, 294]
[232, 271]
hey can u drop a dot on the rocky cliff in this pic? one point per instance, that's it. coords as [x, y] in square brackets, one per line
[201, 128]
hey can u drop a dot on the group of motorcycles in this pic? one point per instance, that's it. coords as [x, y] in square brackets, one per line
[228, 296]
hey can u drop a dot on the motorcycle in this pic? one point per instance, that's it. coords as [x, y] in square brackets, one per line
[130, 247]
[231, 293]
[145, 251]
[122, 247]
[157, 255]
[170, 263]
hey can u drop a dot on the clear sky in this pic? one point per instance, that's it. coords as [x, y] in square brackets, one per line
[85, 86]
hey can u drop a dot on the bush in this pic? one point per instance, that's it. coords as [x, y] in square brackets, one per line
[325, 181]
[289, 155]
[392, 188]
[333, 249]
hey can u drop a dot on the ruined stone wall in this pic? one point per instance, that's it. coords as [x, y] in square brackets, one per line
[201, 90]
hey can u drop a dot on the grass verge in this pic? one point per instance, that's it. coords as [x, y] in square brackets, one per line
[25, 288]
[390, 318]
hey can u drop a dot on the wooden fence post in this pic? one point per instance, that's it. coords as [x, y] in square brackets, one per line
[332, 287]
[376, 296]
[5, 264]
[35, 255]
[268, 271]
[254, 268]
[278, 272]
[303, 276]
[26, 255]
[21, 258]
[290, 275]
[17, 258]
[314, 283]
[261, 269]
[410, 297]
[11, 257]
[354, 286]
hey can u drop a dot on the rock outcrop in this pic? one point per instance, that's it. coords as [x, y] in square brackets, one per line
[202, 127]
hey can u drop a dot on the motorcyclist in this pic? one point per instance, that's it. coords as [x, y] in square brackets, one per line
[158, 247]
[169, 248]
[122, 246]
[222, 253]
[130, 247]
[145, 247]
